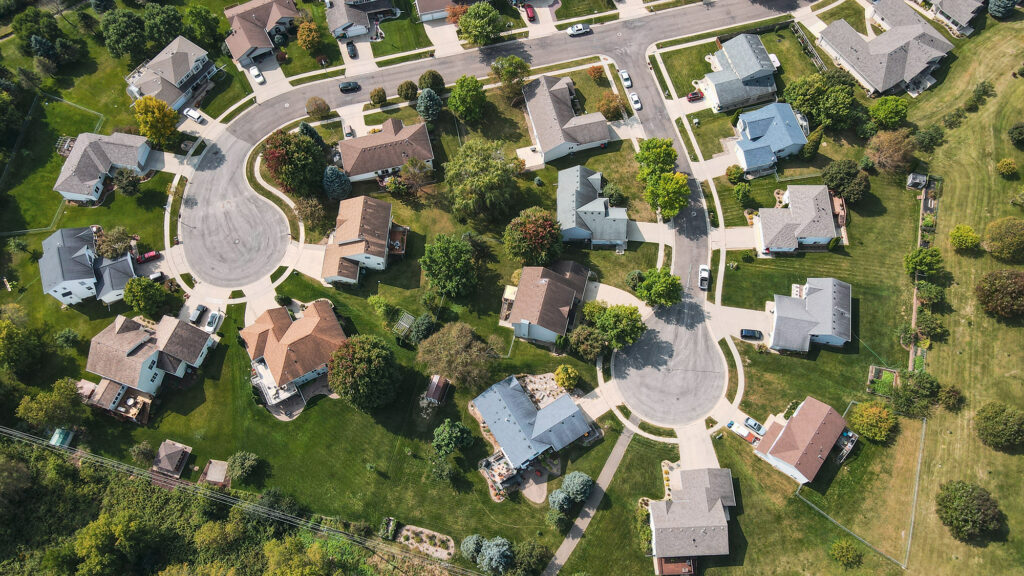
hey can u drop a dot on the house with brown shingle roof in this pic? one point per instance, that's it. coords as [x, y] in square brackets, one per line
[382, 153]
[799, 447]
[364, 237]
[543, 306]
[287, 353]
[253, 26]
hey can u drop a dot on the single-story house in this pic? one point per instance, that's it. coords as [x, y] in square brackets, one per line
[694, 522]
[818, 312]
[901, 58]
[173, 75]
[71, 271]
[556, 128]
[799, 446]
[382, 153]
[957, 14]
[767, 135]
[807, 221]
[523, 431]
[253, 26]
[93, 157]
[585, 215]
[364, 237]
[171, 458]
[353, 18]
[743, 74]
[544, 305]
[287, 353]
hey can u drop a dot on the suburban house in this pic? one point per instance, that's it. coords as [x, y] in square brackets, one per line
[522, 431]
[71, 271]
[743, 74]
[544, 305]
[93, 157]
[556, 128]
[799, 446]
[433, 9]
[956, 14]
[585, 215]
[171, 458]
[174, 75]
[818, 312]
[901, 58]
[807, 221]
[694, 522]
[364, 237]
[253, 26]
[382, 153]
[767, 135]
[287, 353]
[132, 358]
[353, 18]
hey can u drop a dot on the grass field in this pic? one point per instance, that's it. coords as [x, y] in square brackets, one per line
[710, 131]
[850, 11]
[685, 65]
[576, 8]
[401, 34]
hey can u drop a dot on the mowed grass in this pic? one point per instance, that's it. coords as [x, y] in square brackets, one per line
[709, 131]
[401, 34]
[685, 65]
[850, 11]
[576, 8]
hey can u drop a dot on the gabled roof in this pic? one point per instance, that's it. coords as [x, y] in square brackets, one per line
[806, 439]
[549, 103]
[389, 148]
[250, 22]
[521, 429]
[747, 72]
[66, 256]
[694, 521]
[825, 309]
[92, 156]
[120, 351]
[546, 295]
[294, 348]
[960, 10]
[766, 132]
[181, 339]
[809, 215]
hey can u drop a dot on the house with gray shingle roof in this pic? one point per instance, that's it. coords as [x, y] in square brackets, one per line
[805, 221]
[901, 58]
[554, 125]
[71, 271]
[956, 14]
[173, 75]
[585, 215]
[93, 157]
[767, 135]
[743, 74]
[694, 522]
[818, 312]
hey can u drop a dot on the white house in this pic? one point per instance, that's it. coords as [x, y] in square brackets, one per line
[173, 75]
[798, 447]
[364, 238]
[71, 271]
[93, 157]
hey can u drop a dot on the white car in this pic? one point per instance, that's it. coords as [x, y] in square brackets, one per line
[635, 101]
[257, 75]
[626, 80]
[211, 322]
[704, 275]
[578, 29]
[193, 114]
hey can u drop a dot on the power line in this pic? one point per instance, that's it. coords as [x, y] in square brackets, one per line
[375, 546]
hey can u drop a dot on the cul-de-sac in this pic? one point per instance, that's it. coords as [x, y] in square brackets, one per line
[511, 287]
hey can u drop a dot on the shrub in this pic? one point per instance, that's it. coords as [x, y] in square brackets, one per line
[408, 90]
[1001, 293]
[1004, 239]
[317, 107]
[873, 420]
[845, 551]
[1007, 167]
[963, 237]
[1016, 133]
[566, 376]
[1000, 426]
[241, 464]
[378, 97]
[734, 173]
[634, 279]
[968, 510]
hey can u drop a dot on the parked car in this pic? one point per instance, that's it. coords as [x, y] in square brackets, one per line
[347, 87]
[197, 314]
[147, 257]
[257, 75]
[635, 101]
[211, 322]
[193, 114]
[755, 426]
[351, 47]
[704, 274]
[531, 14]
[749, 334]
[626, 80]
[695, 96]
[579, 29]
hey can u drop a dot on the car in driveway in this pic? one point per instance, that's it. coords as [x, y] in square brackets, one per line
[531, 14]
[351, 47]
[755, 426]
[193, 114]
[257, 75]
[147, 257]
[211, 322]
[626, 80]
[347, 87]
[750, 334]
[695, 96]
[579, 29]
[635, 101]
[704, 276]
[196, 314]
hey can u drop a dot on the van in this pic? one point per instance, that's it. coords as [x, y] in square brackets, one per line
[197, 314]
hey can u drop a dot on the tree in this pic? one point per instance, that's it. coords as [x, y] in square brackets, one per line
[162, 23]
[967, 509]
[470, 546]
[449, 264]
[67, 338]
[362, 372]
[433, 80]
[1016, 133]
[127, 182]
[451, 436]
[481, 24]
[201, 25]
[534, 237]
[656, 157]
[114, 242]
[621, 324]
[317, 107]
[144, 296]
[1000, 426]
[926, 262]
[873, 421]
[660, 288]
[889, 112]
[929, 138]
[481, 180]
[963, 237]
[611, 105]
[457, 352]
[1001, 293]
[429, 105]
[577, 485]
[668, 193]
[142, 453]
[241, 464]
[336, 184]
[308, 36]
[891, 150]
[124, 33]
[566, 376]
[1004, 239]
[1007, 168]
[378, 97]
[734, 174]
[157, 121]
[311, 133]
[311, 212]
[561, 501]
[455, 12]
[416, 174]
[588, 342]
[1001, 8]
[467, 99]
[60, 407]
[742, 192]
[810, 149]
[845, 551]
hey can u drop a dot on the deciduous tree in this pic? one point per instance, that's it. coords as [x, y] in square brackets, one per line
[467, 99]
[362, 372]
[534, 237]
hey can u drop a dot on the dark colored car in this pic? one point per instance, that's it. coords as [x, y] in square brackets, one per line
[148, 256]
[349, 87]
[695, 96]
[351, 47]
[531, 14]
[748, 334]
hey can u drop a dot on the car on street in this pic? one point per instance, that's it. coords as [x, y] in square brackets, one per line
[695, 96]
[579, 29]
[197, 314]
[351, 47]
[257, 75]
[347, 87]
[531, 14]
[211, 322]
[193, 114]
[626, 80]
[750, 334]
[704, 274]
[755, 426]
[148, 256]
[635, 101]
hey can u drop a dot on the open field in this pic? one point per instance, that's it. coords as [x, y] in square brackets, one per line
[850, 11]
[401, 34]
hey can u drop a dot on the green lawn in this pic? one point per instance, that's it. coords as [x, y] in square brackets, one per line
[612, 268]
[576, 8]
[229, 86]
[762, 195]
[710, 131]
[685, 65]
[850, 11]
[794, 62]
[402, 34]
